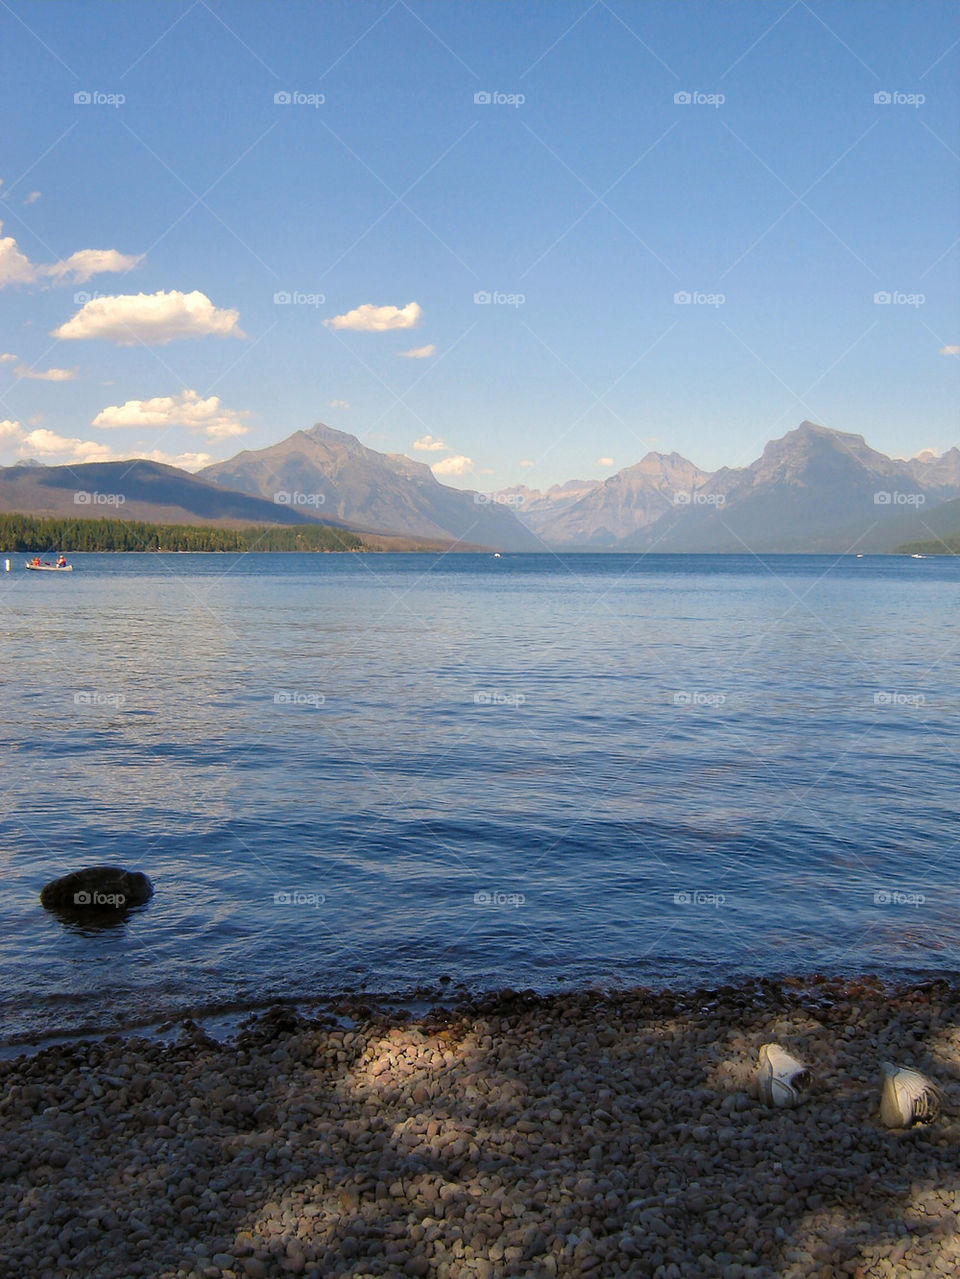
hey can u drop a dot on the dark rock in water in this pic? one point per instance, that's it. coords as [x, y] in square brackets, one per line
[97, 888]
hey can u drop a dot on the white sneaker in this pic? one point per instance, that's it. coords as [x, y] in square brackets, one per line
[908, 1097]
[780, 1077]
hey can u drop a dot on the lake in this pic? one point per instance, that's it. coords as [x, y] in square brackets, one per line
[371, 772]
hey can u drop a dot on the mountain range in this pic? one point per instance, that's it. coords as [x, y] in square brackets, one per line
[814, 489]
[382, 492]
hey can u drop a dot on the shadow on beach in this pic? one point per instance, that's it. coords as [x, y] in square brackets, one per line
[519, 1136]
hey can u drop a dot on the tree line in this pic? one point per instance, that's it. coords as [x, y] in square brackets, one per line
[47, 534]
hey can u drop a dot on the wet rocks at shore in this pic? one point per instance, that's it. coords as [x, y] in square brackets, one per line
[576, 1135]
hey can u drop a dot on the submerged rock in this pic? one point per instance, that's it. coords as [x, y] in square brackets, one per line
[97, 888]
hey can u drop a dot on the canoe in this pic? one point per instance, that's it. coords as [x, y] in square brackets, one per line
[51, 568]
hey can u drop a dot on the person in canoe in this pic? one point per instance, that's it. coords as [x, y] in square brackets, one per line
[62, 561]
[36, 561]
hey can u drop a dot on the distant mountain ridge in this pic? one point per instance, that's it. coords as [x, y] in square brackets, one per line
[385, 492]
[135, 490]
[814, 489]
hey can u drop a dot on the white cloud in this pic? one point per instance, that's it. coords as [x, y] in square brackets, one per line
[45, 375]
[458, 465]
[377, 319]
[7, 357]
[46, 444]
[604, 461]
[185, 461]
[950, 350]
[15, 267]
[427, 444]
[187, 409]
[86, 263]
[151, 318]
[420, 352]
[525, 461]
[50, 447]
[32, 198]
[338, 404]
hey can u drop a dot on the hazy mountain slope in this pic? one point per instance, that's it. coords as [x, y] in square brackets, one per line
[380, 491]
[150, 491]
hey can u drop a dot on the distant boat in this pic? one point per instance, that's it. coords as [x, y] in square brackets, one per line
[496, 555]
[859, 555]
[918, 557]
[50, 568]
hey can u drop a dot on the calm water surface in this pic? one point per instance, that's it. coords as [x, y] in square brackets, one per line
[374, 771]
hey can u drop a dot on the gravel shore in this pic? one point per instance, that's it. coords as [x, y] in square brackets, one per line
[577, 1134]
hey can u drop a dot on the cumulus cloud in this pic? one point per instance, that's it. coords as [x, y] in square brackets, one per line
[458, 465]
[45, 375]
[49, 447]
[16, 267]
[604, 461]
[46, 444]
[526, 461]
[950, 350]
[338, 404]
[32, 198]
[428, 444]
[377, 319]
[185, 461]
[7, 357]
[420, 352]
[86, 263]
[186, 409]
[151, 318]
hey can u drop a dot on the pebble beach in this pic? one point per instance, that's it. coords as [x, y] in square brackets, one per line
[585, 1134]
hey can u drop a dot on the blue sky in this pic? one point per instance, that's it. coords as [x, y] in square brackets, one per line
[583, 197]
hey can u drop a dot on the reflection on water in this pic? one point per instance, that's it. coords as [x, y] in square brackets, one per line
[377, 770]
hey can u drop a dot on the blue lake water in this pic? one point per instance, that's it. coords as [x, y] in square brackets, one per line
[371, 771]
